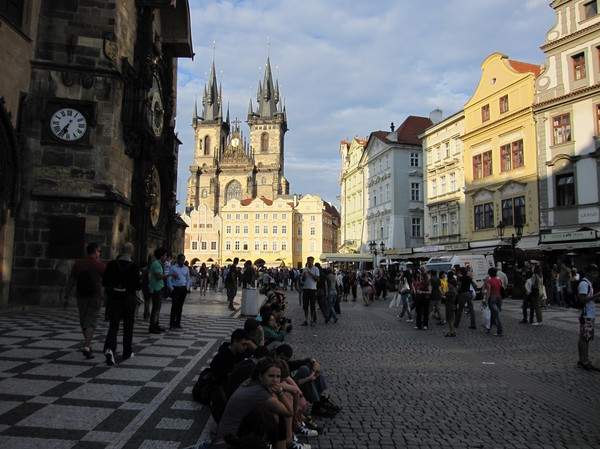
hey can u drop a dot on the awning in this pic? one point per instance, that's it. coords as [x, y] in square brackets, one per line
[595, 245]
[343, 257]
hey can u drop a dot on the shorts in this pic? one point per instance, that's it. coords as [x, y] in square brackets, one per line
[308, 297]
[586, 328]
[88, 311]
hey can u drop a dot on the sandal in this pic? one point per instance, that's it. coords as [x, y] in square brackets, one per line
[450, 334]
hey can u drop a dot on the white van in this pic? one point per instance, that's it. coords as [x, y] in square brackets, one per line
[479, 264]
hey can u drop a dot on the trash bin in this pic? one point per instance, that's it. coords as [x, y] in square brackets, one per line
[251, 302]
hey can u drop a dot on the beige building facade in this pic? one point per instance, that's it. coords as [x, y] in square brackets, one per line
[352, 231]
[567, 113]
[202, 236]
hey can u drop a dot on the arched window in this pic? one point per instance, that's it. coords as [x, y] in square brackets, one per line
[206, 145]
[264, 142]
[234, 190]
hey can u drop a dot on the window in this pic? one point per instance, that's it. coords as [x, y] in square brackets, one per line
[274, 245]
[257, 216]
[228, 229]
[561, 129]
[313, 230]
[203, 246]
[438, 154]
[414, 160]
[265, 229]
[454, 223]
[264, 142]
[375, 198]
[257, 229]
[245, 229]
[485, 113]
[507, 212]
[433, 187]
[415, 191]
[236, 245]
[590, 9]
[565, 189]
[484, 216]
[503, 104]
[284, 245]
[274, 229]
[487, 163]
[511, 155]
[578, 66]
[598, 119]
[284, 229]
[213, 246]
[195, 246]
[299, 231]
[457, 146]
[228, 216]
[274, 216]
[312, 247]
[228, 245]
[313, 218]
[447, 149]
[256, 245]
[444, 220]
[284, 216]
[245, 245]
[443, 185]
[206, 145]
[452, 182]
[238, 217]
[265, 245]
[204, 193]
[416, 227]
[387, 193]
[477, 167]
[237, 229]
[434, 226]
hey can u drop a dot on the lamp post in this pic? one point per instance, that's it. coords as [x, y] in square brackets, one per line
[373, 247]
[514, 239]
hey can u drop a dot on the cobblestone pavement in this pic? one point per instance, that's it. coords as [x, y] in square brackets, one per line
[398, 387]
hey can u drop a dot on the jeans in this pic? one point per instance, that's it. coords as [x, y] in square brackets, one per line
[495, 304]
[157, 298]
[465, 298]
[311, 390]
[422, 306]
[179, 294]
[404, 297]
[121, 310]
[536, 306]
[331, 297]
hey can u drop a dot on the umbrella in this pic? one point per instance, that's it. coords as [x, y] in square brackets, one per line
[210, 259]
[228, 260]
[259, 262]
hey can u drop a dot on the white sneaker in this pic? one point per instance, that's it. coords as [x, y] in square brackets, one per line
[306, 432]
[537, 323]
[410, 320]
[110, 357]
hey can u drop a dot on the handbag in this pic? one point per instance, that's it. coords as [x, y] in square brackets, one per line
[486, 317]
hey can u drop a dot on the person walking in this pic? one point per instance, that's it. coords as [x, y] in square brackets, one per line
[587, 297]
[181, 287]
[231, 283]
[537, 283]
[156, 286]
[331, 292]
[86, 276]
[121, 280]
[423, 290]
[404, 292]
[467, 292]
[493, 297]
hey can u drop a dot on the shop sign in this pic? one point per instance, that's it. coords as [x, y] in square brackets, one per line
[568, 236]
[588, 215]
[457, 246]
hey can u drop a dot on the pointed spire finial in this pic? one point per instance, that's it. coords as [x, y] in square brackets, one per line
[268, 46]
[214, 46]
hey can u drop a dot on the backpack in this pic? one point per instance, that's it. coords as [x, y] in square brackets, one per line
[206, 384]
[85, 285]
[119, 289]
[575, 301]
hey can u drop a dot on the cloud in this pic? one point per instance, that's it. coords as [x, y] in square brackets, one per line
[350, 67]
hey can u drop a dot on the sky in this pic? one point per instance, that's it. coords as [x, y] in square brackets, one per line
[347, 68]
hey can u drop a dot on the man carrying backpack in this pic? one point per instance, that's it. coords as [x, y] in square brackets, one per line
[121, 280]
[587, 298]
[86, 276]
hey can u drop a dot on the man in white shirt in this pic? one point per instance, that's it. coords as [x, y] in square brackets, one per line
[181, 284]
[586, 296]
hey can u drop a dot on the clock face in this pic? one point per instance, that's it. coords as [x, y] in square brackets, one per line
[156, 111]
[235, 141]
[68, 125]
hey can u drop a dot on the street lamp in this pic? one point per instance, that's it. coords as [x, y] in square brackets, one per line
[373, 247]
[514, 239]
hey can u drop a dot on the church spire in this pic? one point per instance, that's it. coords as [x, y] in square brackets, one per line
[268, 95]
[212, 101]
[195, 115]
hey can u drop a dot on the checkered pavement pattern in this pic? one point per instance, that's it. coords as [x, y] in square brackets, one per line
[51, 397]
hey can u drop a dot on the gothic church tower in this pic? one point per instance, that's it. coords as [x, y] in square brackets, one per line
[225, 165]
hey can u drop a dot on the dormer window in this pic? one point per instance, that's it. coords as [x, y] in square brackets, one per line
[590, 9]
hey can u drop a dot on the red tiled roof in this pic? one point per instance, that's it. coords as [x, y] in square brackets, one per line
[248, 201]
[525, 67]
[410, 129]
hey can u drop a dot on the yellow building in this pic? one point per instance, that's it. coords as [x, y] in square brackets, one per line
[351, 200]
[317, 226]
[258, 228]
[500, 154]
[202, 236]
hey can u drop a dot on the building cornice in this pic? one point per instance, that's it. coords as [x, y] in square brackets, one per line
[575, 93]
[574, 35]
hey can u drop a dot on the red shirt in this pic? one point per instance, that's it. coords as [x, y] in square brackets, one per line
[95, 268]
[494, 285]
